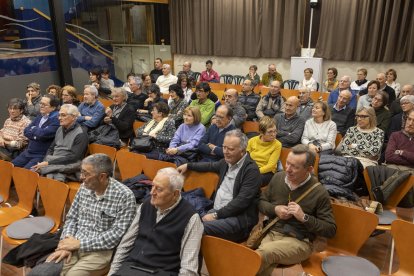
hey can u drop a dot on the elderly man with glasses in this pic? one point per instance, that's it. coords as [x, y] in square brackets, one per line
[344, 84]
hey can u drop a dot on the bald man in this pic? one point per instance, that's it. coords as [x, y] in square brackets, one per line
[187, 71]
[231, 98]
[289, 124]
[344, 84]
[166, 79]
[271, 75]
[342, 114]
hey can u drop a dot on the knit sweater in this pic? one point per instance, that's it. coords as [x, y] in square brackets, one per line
[400, 141]
[207, 110]
[344, 118]
[324, 132]
[316, 205]
[289, 131]
[187, 137]
[13, 131]
[367, 144]
[265, 154]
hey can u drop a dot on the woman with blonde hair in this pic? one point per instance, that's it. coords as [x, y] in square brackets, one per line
[265, 149]
[364, 141]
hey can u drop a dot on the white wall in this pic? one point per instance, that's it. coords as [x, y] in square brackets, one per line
[240, 66]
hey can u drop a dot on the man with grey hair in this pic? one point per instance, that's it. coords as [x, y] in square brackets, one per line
[231, 98]
[137, 98]
[166, 79]
[235, 200]
[272, 103]
[344, 84]
[91, 110]
[306, 104]
[342, 114]
[187, 71]
[271, 75]
[249, 100]
[99, 216]
[62, 160]
[167, 227]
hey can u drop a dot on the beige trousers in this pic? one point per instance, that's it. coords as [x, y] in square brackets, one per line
[88, 263]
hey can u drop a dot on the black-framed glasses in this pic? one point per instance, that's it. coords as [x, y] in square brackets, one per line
[361, 116]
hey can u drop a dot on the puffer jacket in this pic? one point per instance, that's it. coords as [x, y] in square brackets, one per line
[338, 174]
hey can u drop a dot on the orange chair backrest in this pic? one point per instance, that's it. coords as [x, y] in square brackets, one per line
[6, 169]
[53, 194]
[206, 180]
[25, 182]
[283, 156]
[353, 228]
[250, 126]
[129, 163]
[136, 125]
[402, 232]
[225, 258]
[97, 148]
[106, 103]
[338, 139]
[151, 167]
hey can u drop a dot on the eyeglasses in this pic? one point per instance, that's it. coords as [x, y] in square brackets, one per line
[44, 105]
[404, 103]
[361, 116]
[63, 115]
[270, 132]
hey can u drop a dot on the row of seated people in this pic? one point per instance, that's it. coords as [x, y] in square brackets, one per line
[319, 131]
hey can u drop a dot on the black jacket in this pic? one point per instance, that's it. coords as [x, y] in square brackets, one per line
[246, 190]
[124, 122]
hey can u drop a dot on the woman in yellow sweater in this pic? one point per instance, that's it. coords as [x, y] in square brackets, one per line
[265, 149]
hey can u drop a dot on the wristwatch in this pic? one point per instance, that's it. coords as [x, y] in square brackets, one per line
[305, 217]
[215, 215]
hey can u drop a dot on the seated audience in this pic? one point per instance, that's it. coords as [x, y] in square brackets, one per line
[306, 103]
[398, 120]
[185, 84]
[32, 101]
[320, 130]
[120, 114]
[157, 71]
[361, 82]
[265, 149]
[206, 87]
[166, 79]
[342, 114]
[63, 158]
[365, 100]
[289, 125]
[331, 82]
[183, 146]
[252, 75]
[363, 141]
[395, 107]
[169, 229]
[231, 98]
[383, 87]
[308, 81]
[146, 83]
[344, 84]
[249, 100]
[271, 75]
[399, 153]
[290, 240]
[95, 80]
[55, 90]
[211, 145]
[40, 133]
[272, 103]
[91, 110]
[235, 202]
[189, 75]
[137, 97]
[12, 139]
[203, 102]
[69, 95]
[106, 82]
[154, 96]
[383, 114]
[127, 84]
[391, 77]
[209, 75]
[160, 128]
[177, 104]
[99, 216]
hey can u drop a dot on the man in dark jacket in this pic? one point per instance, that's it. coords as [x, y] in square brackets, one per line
[235, 201]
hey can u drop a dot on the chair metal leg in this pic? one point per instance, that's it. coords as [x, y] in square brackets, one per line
[391, 257]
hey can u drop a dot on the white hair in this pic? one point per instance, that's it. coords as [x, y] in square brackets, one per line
[175, 178]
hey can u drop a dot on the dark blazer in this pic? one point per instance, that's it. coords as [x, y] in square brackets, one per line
[125, 121]
[246, 190]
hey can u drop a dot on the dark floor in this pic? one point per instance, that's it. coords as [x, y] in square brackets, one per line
[376, 249]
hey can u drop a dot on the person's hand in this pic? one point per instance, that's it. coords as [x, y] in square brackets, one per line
[314, 148]
[39, 165]
[88, 118]
[59, 255]
[282, 212]
[108, 112]
[152, 135]
[171, 151]
[211, 146]
[208, 217]
[295, 210]
[69, 243]
[29, 98]
[182, 169]
[107, 120]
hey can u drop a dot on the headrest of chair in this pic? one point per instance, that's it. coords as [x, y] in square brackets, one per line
[25, 228]
[348, 265]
